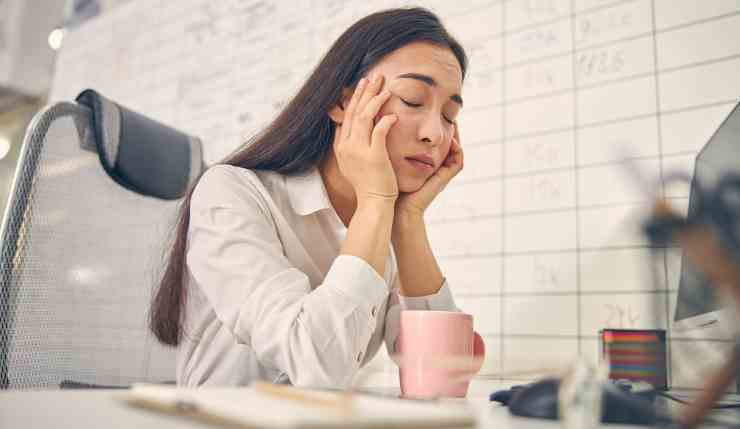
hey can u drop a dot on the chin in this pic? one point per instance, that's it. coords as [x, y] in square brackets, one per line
[409, 184]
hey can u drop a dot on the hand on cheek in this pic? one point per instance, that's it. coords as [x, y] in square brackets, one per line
[446, 156]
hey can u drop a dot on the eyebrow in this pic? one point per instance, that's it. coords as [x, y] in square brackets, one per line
[431, 82]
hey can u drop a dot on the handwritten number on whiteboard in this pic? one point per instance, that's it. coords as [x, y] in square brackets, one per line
[620, 316]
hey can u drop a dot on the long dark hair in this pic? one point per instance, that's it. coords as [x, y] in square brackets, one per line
[302, 134]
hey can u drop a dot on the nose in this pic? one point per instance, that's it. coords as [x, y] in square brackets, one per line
[431, 130]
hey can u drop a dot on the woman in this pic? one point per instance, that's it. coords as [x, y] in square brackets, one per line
[282, 267]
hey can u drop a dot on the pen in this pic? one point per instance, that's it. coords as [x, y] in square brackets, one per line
[341, 404]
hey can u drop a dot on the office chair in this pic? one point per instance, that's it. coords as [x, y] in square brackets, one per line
[82, 241]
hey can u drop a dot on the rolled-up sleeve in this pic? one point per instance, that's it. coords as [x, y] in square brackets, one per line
[316, 337]
[440, 301]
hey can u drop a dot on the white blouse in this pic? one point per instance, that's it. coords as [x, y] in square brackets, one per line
[268, 295]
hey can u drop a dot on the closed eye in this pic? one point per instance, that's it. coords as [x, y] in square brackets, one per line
[410, 104]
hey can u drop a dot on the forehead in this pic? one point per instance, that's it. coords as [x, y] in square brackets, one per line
[424, 58]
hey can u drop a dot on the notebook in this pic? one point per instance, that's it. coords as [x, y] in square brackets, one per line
[288, 407]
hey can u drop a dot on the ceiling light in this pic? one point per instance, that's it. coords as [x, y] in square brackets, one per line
[55, 38]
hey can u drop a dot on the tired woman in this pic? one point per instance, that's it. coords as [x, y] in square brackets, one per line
[294, 257]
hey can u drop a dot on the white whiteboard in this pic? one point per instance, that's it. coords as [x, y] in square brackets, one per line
[538, 235]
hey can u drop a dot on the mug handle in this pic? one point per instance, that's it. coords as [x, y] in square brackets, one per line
[479, 351]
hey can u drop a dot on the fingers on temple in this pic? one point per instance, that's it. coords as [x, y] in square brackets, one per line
[352, 106]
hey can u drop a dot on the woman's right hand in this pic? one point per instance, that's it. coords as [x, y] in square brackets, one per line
[361, 148]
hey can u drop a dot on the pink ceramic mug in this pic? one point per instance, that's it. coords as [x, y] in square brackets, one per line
[437, 349]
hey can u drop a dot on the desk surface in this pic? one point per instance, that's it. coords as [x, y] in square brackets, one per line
[80, 409]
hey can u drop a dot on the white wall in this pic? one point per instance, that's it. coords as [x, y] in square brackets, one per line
[4, 39]
[538, 235]
[26, 60]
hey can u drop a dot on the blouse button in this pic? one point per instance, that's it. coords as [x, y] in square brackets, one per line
[373, 311]
[359, 357]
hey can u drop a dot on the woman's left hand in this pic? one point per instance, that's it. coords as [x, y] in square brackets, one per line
[415, 203]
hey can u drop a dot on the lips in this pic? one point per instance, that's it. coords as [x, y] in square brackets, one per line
[426, 159]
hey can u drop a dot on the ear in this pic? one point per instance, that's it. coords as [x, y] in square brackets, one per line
[336, 113]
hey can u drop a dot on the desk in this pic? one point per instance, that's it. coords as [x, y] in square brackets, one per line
[81, 409]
